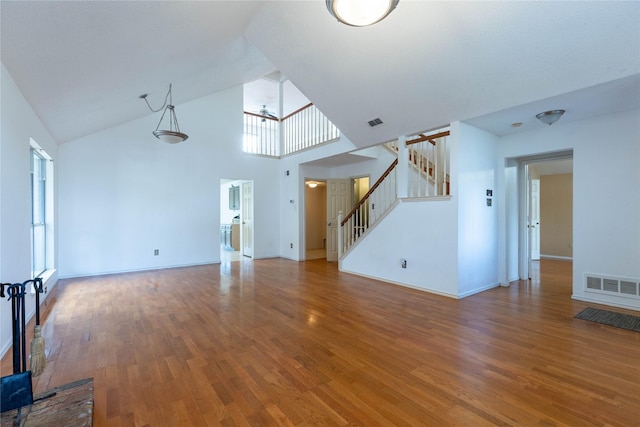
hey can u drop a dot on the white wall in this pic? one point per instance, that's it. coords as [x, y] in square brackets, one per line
[477, 222]
[18, 122]
[606, 204]
[123, 193]
[423, 233]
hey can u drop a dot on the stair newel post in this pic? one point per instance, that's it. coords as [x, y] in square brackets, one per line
[402, 176]
[340, 237]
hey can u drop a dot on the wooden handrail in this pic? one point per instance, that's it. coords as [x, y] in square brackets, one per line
[297, 111]
[366, 196]
[262, 117]
[429, 138]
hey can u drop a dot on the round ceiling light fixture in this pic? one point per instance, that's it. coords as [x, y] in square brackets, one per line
[361, 13]
[550, 117]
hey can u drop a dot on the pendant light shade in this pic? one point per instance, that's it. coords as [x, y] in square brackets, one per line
[360, 13]
[172, 134]
[550, 117]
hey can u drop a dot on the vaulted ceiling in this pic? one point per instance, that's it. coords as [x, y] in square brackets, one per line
[82, 65]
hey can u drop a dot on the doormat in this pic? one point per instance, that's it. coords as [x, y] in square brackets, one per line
[611, 318]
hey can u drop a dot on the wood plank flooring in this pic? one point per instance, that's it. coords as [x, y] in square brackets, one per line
[281, 343]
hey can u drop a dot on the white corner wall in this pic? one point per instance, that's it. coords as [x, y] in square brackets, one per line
[477, 222]
[123, 193]
[606, 199]
[18, 122]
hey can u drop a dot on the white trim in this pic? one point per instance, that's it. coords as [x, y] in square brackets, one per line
[608, 303]
[478, 290]
[566, 258]
[137, 270]
[405, 285]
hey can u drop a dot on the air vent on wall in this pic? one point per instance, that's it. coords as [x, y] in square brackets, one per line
[612, 285]
[375, 122]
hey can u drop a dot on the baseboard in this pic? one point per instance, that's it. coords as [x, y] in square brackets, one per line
[478, 290]
[405, 285]
[137, 270]
[5, 349]
[566, 258]
[607, 303]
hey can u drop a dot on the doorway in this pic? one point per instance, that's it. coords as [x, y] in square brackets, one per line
[315, 196]
[236, 219]
[546, 211]
[324, 200]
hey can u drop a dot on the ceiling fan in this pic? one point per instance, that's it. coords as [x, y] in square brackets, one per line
[266, 113]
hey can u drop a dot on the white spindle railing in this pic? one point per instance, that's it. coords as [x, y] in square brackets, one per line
[368, 210]
[261, 135]
[429, 171]
[302, 129]
[305, 128]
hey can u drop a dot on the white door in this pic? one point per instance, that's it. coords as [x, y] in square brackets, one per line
[247, 219]
[338, 199]
[534, 219]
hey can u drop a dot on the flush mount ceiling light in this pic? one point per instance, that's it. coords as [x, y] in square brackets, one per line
[360, 13]
[550, 117]
[173, 134]
[312, 184]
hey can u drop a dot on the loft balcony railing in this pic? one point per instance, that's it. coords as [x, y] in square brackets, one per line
[305, 128]
[261, 135]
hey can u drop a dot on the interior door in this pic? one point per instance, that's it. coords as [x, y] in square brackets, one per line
[534, 219]
[338, 199]
[247, 219]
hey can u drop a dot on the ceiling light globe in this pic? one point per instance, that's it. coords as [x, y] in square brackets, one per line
[170, 137]
[360, 13]
[550, 117]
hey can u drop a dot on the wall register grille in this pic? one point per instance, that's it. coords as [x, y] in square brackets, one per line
[612, 285]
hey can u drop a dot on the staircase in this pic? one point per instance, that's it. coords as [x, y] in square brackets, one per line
[426, 173]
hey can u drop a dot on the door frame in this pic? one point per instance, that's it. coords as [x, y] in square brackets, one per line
[524, 254]
[243, 208]
[303, 235]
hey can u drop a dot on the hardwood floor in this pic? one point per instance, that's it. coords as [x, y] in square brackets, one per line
[277, 342]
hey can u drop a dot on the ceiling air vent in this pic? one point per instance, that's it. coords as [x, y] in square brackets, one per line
[375, 122]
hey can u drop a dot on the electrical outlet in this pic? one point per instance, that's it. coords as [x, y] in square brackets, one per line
[403, 263]
[46, 289]
[291, 245]
[156, 252]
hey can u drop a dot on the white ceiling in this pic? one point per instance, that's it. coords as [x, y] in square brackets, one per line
[82, 65]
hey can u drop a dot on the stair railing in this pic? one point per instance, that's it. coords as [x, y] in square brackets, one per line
[368, 210]
[428, 158]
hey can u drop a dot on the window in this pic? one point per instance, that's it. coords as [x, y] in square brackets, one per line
[41, 211]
